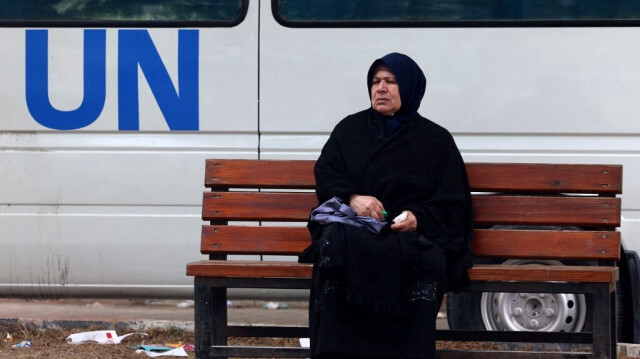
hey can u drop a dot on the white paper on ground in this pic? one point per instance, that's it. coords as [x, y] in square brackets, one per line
[178, 352]
[98, 336]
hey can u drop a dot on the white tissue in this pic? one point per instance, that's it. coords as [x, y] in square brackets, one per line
[400, 218]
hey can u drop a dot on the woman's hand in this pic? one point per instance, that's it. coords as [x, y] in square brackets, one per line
[409, 224]
[367, 206]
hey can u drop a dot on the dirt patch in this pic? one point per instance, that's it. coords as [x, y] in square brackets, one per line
[50, 343]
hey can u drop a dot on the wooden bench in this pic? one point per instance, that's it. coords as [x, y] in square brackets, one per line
[541, 197]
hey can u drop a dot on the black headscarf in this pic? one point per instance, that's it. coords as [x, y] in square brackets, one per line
[412, 84]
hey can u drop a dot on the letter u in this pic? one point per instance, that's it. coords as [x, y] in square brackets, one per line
[37, 81]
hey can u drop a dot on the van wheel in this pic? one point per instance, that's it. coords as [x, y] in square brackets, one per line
[537, 311]
[518, 311]
[498, 311]
[548, 312]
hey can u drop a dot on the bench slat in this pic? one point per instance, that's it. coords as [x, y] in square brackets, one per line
[257, 206]
[259, 174]
[494, 243]
[249, 269]
[561, 245]
[254, 240]
[488, 210]
[491, 177]
[547, 178]
[547, 210]
[484, 272]
[537, 273]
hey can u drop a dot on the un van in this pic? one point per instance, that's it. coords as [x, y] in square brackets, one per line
[110, 109]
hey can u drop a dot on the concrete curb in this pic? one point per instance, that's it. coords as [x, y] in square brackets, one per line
[630, 350]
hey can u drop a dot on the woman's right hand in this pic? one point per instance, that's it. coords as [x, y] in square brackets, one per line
[367, 206]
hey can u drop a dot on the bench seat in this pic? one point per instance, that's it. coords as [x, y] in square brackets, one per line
[481, 272]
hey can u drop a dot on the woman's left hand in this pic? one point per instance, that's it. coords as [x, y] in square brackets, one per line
[409, 224]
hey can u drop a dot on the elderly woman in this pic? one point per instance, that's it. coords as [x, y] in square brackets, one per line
[378, 283]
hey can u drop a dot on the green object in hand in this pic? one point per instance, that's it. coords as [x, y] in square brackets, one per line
[385, 213]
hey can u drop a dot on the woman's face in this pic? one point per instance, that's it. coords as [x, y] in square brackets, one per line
[385, 93]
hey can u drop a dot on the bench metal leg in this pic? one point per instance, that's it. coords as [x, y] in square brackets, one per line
[614, 326]
[604, 332]
[210, 322]
[202, 322]
[218, 317]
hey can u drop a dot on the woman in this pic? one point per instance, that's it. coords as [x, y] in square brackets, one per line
[376, 292]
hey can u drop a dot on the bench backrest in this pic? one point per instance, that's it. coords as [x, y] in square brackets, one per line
[525, 211]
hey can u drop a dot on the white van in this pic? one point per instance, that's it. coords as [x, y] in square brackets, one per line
[109, 109]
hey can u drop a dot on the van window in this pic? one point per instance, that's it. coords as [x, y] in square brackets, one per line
[147, 13]
[456, 12]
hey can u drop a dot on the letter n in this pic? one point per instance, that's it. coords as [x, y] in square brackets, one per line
[180, 109]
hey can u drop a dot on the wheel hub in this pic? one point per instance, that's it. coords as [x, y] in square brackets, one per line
[533, 312]
[551, 312]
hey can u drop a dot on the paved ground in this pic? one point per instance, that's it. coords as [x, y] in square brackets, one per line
[146, 312]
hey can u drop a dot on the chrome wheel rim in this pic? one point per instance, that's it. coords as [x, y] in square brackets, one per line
[550, 312]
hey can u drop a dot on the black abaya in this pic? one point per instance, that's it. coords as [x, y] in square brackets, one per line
[377, 295]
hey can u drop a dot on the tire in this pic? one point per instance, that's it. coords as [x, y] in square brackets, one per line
[624, 305]
[463, 311]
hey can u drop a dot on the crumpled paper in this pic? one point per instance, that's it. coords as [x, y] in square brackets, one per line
[98, 337]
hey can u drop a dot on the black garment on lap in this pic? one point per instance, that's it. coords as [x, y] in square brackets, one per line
[359, 307]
